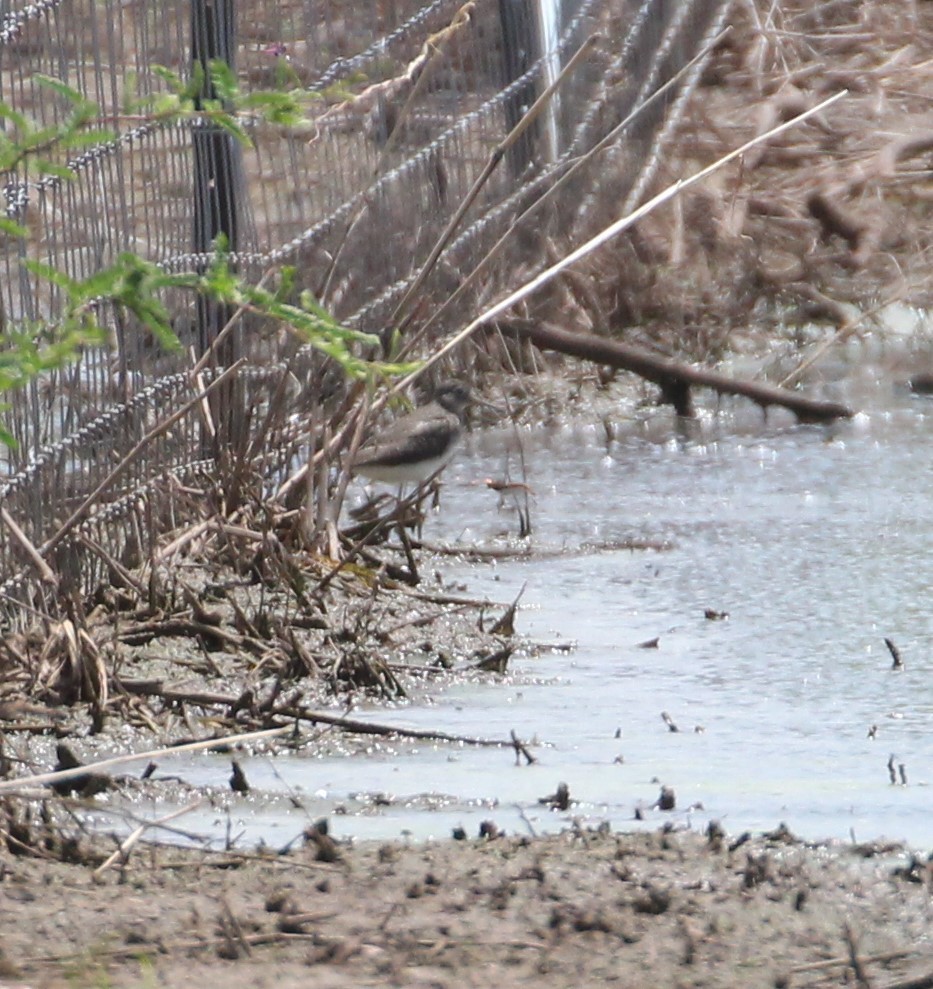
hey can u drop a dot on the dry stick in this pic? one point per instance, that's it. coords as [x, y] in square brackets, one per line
[498, 153]
[861, 976]
[153, 433]
[374, 728]
[575, 167]
[608, 233]
[841, 334]
[232, 929]
[127, 844]
[198, 379]
[325, 453]
[293, 712]
[114, 564]
[521, 749]
[45, 571]
[460, 19]
[202, 362]
[180, 947]
[363, 413]
[884, 957]
[189, 535]
[120, 760]
[275, 406]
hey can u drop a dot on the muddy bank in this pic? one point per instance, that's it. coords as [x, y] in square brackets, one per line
[680, 908]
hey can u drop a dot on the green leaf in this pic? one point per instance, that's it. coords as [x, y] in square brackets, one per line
[226, 122]
[56, 85]
[50, 274]
[223, 80]
[20, 120]
[58, 171]
[174, 81]
[11, 228]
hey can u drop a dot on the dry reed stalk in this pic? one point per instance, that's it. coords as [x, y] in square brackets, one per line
[552, 190]
[497, 155]
[611, 231]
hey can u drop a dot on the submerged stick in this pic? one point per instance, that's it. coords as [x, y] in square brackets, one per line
[292, 712]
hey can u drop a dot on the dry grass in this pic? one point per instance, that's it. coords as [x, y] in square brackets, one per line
[829, 216]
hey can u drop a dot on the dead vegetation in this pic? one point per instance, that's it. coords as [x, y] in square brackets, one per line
[239, 606]
[150, 597]
[822, 224]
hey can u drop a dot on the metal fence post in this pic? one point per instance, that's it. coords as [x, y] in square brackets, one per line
[218, 192]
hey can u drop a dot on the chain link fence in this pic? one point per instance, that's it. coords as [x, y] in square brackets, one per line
[410, 100]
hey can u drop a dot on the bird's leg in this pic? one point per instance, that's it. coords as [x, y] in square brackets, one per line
[409, 554]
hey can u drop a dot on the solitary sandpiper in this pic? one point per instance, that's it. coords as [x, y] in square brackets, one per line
[416, 446]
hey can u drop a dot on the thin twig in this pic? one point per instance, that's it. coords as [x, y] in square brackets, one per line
[180, 947]
[841, 334]
[127, 844]
[861, 976]
[498, 153]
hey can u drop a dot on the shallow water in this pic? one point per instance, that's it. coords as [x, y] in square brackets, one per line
[817, 543]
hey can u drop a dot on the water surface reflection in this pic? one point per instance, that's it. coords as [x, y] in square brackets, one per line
[816, 542]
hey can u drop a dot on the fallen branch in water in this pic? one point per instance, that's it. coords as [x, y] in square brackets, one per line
[373, 728]
[675, 379]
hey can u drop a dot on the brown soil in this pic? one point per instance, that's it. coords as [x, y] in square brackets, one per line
[574, 909]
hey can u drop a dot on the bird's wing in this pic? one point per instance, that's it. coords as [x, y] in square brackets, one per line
[424, 439]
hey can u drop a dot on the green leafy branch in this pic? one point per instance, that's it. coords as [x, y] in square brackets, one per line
[132, 286]
[216, 99]
[310, 320]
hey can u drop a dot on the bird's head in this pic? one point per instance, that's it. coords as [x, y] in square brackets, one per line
[453, 396]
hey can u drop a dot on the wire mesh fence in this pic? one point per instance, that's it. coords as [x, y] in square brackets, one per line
[410, 99]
